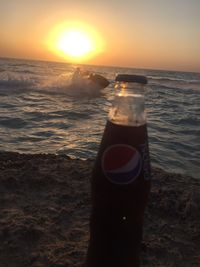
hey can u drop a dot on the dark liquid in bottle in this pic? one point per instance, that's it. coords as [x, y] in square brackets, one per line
[119, 197]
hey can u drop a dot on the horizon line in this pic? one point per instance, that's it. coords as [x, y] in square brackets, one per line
[101, 65]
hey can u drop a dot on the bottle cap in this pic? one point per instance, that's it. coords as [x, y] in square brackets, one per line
[131, 78]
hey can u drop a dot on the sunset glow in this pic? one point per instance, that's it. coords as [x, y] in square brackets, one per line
[74, 41]
[140, 34]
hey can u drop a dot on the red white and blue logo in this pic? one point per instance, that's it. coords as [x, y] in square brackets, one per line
[121, 164]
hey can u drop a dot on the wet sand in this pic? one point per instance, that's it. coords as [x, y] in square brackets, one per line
[45, 205]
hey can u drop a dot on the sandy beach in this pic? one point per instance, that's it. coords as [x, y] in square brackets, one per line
[45, 206]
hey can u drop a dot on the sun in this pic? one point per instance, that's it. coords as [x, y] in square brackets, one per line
[75, 41]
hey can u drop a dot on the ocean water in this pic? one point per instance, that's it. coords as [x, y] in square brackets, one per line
[38, 112]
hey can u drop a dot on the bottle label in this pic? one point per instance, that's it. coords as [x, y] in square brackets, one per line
[121, 164]
[146, 162]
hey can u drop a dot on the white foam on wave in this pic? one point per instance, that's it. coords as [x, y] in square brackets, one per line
[63, 84]
[10, 80]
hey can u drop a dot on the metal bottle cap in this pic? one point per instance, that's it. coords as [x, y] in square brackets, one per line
[131, 78]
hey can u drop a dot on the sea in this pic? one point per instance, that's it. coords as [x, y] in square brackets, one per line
[39, 114]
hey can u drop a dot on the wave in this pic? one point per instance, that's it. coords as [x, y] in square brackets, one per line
[25, 71]
[177, 84]
[166, 79]
[23, 65]
[18, 81]
[15, 84]
[172, 87]
[179, 81]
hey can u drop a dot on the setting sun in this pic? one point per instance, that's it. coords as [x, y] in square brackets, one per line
[75, 41]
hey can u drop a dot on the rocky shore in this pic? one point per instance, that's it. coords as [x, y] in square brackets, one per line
[45, 206]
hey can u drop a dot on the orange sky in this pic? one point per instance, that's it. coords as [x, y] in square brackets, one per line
[153, 34]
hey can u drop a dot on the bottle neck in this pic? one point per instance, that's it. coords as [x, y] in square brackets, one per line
[128, 107]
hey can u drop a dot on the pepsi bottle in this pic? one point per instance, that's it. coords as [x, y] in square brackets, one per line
[121, 180]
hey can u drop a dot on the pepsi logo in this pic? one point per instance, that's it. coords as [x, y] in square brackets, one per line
[121, 163]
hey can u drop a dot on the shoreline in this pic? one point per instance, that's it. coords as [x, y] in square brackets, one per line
[45, 207]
